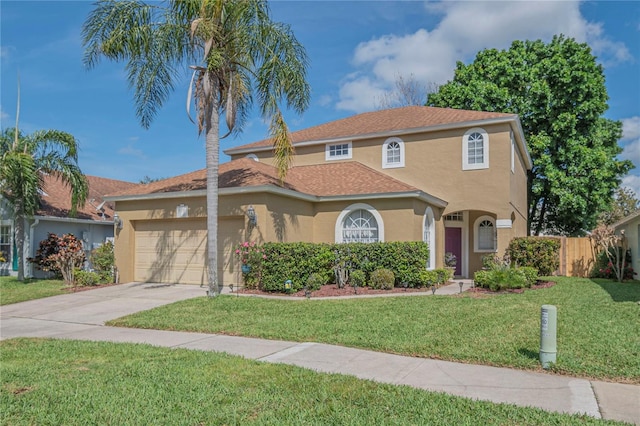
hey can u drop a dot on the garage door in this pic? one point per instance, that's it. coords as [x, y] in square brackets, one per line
[175, 251]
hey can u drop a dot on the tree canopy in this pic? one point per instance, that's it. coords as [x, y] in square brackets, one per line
[559, 92]
[623, 204]
[24, 159]
[237, 54]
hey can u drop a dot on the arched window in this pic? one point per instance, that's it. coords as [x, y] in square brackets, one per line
[252, 157]
[429, 237]
[485, 234]
[359, 223]
[392, 153]
[475, 149]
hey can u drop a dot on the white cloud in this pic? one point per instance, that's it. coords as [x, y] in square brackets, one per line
[465, 29]
[129, 150]
[631, 128]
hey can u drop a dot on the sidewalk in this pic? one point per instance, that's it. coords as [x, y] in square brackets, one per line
[82, 315]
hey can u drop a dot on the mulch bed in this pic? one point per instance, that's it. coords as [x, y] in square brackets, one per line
[332, 290]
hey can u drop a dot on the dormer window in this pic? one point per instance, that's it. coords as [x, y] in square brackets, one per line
[475, 149]
[341, 151]
[392, 153]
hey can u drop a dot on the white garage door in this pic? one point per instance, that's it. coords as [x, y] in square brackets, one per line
[175, 251]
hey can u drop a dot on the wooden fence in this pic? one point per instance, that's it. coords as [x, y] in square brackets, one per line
[577, 256]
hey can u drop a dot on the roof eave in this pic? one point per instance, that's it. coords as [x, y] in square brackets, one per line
[272, 189]
[413, 130]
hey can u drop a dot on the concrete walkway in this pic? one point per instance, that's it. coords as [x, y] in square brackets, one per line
[82, 316]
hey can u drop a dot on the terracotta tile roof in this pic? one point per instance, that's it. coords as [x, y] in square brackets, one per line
[56, 200]
[389, 120]
[344, 178]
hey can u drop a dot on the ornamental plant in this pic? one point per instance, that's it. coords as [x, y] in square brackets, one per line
[60, 255]
[251, 254]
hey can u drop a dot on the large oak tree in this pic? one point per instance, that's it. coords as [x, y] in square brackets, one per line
[559, 92]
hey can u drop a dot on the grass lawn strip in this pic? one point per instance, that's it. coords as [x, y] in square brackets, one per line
[598, 327]
[79, 383]
[14, 291]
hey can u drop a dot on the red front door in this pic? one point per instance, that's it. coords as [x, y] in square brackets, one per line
[453, 244]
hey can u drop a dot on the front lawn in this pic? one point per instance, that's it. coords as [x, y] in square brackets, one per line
[598, 327]
[90, 383]
[14, 291]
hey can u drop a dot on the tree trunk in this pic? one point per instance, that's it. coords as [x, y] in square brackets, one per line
[213, 158]
[18, 226]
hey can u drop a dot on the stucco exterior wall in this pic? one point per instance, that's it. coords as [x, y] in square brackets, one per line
[632, 232]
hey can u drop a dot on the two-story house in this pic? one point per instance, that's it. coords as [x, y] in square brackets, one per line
[455, 179]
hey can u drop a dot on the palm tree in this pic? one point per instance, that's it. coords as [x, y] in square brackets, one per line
[236, 53]
[25, 158]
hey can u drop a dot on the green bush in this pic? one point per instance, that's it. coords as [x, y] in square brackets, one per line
[357, 278]
[538, 252]
[382, 279]
[102, 261]
[444, 275]
[316, 281]
[297, 261]
[429, 278]
[86, 278]
[502, 278]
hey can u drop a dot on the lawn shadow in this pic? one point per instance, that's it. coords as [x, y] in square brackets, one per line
[626, 291]
[529, 353]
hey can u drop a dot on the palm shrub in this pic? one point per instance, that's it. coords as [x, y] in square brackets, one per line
[382, 279]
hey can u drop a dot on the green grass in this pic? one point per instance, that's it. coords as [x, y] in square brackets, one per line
[85, 383]
[598, 325]
[14, 291]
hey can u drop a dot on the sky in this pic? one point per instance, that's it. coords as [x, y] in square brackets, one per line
[357, 49]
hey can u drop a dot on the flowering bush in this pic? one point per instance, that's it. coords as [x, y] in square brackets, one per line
[251, 255]
[60, 255]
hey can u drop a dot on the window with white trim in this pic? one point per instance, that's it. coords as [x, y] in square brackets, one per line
[341, 151]
[429, 237]
[360, 227]
[252, 157]
[392, 153]
[475, 149]
[485, 234]
[5, 242]
[454, 217]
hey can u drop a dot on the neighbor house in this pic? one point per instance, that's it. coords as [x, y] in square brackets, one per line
[93, 223]
[453, 178]
[630, 226]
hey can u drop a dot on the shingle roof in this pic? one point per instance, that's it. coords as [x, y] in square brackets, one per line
[344, 178]
[383, 121]
[56, 200]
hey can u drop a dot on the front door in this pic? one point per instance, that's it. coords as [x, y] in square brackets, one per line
[453, 244]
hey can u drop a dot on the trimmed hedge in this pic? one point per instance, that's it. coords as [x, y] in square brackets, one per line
[297, 261]
[541, 253]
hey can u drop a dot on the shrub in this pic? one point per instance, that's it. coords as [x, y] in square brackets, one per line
[538, 252]
[491, 261]
[358, 278]
[87, 278]
[289, 260]
[429, 278]
[60, 255]
[444, 275]
[502, 278]
[316, 281]
[603, 267]
[102, 261]
[382, 279]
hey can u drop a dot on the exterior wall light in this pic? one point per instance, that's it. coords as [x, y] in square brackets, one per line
[117, 221]
[253, 218]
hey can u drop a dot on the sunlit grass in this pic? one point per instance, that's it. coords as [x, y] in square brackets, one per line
[598, 325]
[14, 291]
[93, 383]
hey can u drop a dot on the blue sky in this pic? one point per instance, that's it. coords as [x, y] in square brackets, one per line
[356, 50]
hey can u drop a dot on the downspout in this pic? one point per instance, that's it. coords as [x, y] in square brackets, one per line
[31, 231]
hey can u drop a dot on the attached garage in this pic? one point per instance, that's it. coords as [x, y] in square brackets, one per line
[175, 250]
